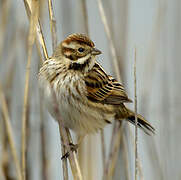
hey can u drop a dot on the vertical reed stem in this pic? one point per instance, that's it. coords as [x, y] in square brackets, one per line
[136, 119]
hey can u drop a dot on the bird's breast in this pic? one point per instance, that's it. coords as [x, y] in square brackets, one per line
[76, 111]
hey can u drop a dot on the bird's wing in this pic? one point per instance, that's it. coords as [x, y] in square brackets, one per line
[103, 88]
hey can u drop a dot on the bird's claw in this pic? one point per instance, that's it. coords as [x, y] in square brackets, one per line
[73, 148]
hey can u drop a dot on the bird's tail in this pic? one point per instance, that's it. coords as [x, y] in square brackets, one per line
[142, 123]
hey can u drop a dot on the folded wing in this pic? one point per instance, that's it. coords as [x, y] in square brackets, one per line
[103, 88]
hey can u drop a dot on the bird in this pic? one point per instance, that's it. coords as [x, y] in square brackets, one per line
[87, 97]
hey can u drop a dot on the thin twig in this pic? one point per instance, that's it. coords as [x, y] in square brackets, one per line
[31, 39]
[10, 134]
[136, 120]
[52, 25]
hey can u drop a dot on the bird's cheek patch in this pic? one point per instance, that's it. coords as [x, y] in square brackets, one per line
[67, 53]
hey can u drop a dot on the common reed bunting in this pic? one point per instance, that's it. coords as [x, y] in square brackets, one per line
[88, 98]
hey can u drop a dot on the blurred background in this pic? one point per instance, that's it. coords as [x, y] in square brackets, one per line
[153, 27]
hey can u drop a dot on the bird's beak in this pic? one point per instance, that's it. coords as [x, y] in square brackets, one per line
[96, 51]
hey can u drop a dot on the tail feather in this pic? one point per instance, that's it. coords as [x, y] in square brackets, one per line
[142, 123]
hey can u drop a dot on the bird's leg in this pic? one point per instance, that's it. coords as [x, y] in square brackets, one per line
[73, 147]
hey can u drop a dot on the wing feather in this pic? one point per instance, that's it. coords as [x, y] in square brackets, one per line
[103, 88]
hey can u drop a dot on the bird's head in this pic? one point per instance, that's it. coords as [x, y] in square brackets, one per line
[78, 51]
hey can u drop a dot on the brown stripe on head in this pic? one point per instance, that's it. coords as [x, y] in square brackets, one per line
[69, 53]
[81, 38]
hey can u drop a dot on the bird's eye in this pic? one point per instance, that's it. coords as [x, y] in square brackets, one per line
[81, 49]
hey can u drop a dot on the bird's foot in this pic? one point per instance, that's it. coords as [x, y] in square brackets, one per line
[73, 148]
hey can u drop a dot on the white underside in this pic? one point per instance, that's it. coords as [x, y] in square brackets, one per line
[75, 112]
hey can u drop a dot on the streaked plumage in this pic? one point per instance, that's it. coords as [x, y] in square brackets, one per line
[88, 98]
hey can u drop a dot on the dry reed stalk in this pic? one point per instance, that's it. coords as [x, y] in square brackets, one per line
[64, 161]
[110, 165]
[74, 161]
[2, 175]
[10, 134]
[89, 152]
[65, 136]
[103, 149]
[84, 11]
[113, 153]
[52, 25]
[139, 163]
[4, 14]
[86, 162]
[111, 43]
[125, 156]
[54, 45]
[41, 41]
[81, 154]
[7, 84]
[5, 164]
[39, 33]
[44, 159]
[150, 69]
[89, 139]
[43, 143]
[3, 151]
[136, 119]
[31, 38]
[72, 157]
[40, 54]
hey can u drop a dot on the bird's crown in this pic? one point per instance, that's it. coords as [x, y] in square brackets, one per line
[79, 38]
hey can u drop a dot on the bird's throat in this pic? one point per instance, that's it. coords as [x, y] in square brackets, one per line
[83, 66]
